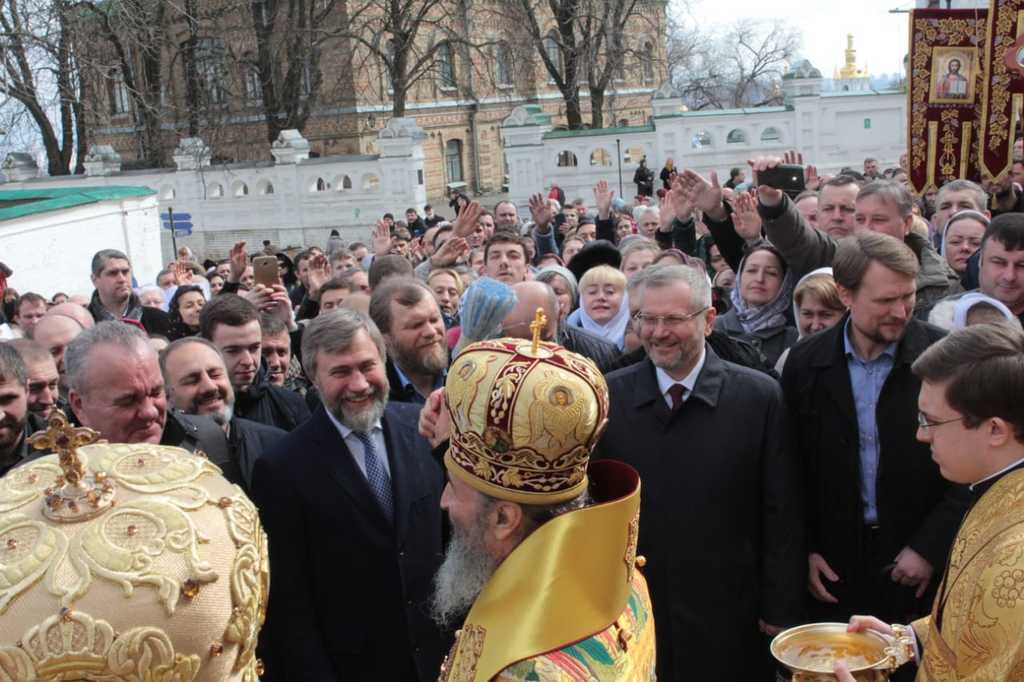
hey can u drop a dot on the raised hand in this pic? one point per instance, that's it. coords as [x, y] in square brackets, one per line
[793, 158]
[450, 252]
[540, 211]
[239, 262]
[435, 423]
[183, 274]
[320, 272]
[381, 239]
[703, 194]
[603, 197]
[678, 202]
[467, 220]
[745, 218]
[812, 180]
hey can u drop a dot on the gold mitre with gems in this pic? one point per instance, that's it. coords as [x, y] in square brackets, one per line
[127, 562]
[525, 416]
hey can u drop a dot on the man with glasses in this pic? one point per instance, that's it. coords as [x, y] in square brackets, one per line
[880, 517]
[971, 417]
[722, 527]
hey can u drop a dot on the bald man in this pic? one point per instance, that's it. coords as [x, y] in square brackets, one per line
[54, 333]
[75, 311]
[532, 295]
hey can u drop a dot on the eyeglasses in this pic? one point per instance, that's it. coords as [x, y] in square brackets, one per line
[923, 422]
[647, 320]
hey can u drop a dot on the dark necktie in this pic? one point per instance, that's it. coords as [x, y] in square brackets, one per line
[376, 475]
[676, 392]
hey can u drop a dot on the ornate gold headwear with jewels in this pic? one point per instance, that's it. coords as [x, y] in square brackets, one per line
[525, 416]
[127, 562]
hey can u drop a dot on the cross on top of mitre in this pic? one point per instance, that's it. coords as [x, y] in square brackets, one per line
[64, 439]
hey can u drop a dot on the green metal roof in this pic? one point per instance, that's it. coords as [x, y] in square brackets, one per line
[590, 132]
[17, 203]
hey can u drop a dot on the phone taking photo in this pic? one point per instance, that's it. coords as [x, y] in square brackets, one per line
[265, 270]
[787, 177]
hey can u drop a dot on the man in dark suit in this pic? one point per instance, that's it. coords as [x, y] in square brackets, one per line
[880, 517]
[350, 502]
[720, 521]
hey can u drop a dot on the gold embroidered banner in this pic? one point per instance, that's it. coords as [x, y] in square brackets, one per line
[1003, 94]
[944, 89]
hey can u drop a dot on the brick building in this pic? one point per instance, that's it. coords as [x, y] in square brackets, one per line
[459, 101]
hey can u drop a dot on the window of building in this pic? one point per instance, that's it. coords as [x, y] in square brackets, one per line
[648, 62]
[600, 157]
[210, 69]
[389, 49]
[446, 65]
[701, 139]
[307, 80]
[453, 160]
[553, 53]
[503, 64]
[736, 136]
[567, 159]
[118, 92]
[261, 11]
[253, 87]
[618, 53]
[771, 135]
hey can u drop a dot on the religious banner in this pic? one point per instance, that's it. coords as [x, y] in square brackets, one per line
[944, 89]
[1003, 94]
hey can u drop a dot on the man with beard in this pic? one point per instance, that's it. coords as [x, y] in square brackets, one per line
[197, 383]
[113, 298]
[16, 423]
[880, 517]
[116, 388]
[407, 314]
[232, 324]
[350, 502]
[543, 553]
[43, 378]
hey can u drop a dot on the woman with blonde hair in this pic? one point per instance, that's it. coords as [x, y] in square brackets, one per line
[603, 309]
[816, 306]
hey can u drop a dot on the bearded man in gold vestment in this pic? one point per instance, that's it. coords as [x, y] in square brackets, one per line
[972, 416]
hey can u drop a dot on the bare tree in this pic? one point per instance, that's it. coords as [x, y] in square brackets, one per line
[39, 71]
[741, 67]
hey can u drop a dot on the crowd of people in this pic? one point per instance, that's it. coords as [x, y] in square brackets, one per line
[760, 350]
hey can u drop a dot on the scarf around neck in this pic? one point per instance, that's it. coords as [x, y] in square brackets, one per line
[614, 330]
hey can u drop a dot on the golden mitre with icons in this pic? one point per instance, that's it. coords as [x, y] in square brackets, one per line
[127, 562]
[525, 416]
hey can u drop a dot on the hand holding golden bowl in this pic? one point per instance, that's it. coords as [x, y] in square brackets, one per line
[866, 650]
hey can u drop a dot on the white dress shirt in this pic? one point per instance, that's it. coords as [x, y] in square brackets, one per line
[355, 446]
[665, 382]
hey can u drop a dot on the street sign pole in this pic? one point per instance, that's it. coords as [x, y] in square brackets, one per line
[174, 241]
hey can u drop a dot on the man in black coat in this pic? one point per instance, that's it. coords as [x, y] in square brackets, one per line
[232, 324]
[350, 502]
[113, 298]
[197, 384]
[880, 517]
[720, 520]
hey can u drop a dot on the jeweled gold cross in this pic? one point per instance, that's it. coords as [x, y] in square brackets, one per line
[64, 439]
[540, 321]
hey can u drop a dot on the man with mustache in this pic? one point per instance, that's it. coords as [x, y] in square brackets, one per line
[16, 422]
[232, 324]
[350, 501]
[116, 388]
[197, 383]
[407, 314]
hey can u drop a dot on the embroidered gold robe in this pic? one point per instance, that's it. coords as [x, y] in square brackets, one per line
[568, 604]
[975, 632]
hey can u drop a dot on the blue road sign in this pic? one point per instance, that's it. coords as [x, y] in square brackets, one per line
[179, 216]
[183, 231]
[182, 225]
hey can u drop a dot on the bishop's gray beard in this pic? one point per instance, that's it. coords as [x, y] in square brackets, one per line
[464, 573]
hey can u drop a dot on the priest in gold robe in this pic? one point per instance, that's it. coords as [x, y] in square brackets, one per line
[972, 416]
[543, 553]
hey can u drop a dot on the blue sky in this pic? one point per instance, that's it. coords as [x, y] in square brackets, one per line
[879, 36]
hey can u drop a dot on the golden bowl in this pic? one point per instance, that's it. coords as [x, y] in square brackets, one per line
[811, 651]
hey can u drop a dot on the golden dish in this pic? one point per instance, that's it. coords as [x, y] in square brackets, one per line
[815, 648]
